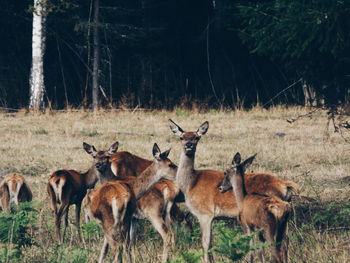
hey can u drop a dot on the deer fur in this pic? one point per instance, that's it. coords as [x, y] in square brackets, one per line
[13, 190]
[65, 188]
[260, 212]
[150, 201]
[202, 196]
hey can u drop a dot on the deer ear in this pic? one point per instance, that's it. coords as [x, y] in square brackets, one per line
[176, 129]
[236, 159]
[90, 149]
[203, 128]
[156, 152]
[165, 154]
[248, 162]
[113, 149]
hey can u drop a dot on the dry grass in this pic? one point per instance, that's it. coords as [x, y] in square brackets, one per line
[37, 145]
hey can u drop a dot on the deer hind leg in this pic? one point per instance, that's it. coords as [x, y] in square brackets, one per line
[275, 247]
[58, 216]
[66, 213]
[261, 250]
[282, 241]
[112, 242]
[206, 224]
[132, 236]
[77, 219]
[104, 250]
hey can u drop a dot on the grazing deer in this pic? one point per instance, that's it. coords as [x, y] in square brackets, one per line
[65, 188]
[111, 165]
[150, 202]
[202, 196]
[14, 189]
[260, 212]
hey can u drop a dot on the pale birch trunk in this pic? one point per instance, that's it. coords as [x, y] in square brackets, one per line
[37, 85]
[96, 58]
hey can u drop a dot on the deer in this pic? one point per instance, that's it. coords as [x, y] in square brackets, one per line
[264, 212]
[65, 188]
[149, 200]
[14, 189]
[111, 165]
[113, 205]
[276, 187]
[202, 196]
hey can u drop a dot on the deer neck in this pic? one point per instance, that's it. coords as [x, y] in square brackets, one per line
[91, 178]
[185, 172]
[239, 188]
[142, 183]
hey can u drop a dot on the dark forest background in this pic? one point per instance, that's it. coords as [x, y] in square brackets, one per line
[159, 54]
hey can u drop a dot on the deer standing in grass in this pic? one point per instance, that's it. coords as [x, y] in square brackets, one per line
[202, 196]
[113, 205]
[150, 203]
[111, 164]
[14, 189]
[65, 188]
[260, 212]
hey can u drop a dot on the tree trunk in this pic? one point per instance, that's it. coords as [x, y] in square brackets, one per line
[37, 85]
[96, 59]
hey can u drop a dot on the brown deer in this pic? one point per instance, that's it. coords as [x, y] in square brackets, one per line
[112, 204]
[275, 187]
[150, 202]
[14, 189]
[260, 212]
[111, 165]
[65, 188]
[202, 195]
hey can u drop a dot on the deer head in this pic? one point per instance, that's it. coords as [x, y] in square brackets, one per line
[189, 140]
[164, 167]
[101, 158]
[237, 168]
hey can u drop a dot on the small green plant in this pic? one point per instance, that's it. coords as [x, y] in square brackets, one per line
[91, 230]
[232, 244]
[181, 112]
[14, 231]
[334, 215]
[92, 133]
[64, 254]
[188, 256]
[185, 238]
[41, 132]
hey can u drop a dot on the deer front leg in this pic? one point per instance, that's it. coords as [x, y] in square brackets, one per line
[159, 224]
[206, 224]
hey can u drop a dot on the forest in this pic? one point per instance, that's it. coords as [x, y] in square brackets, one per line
[162, 54]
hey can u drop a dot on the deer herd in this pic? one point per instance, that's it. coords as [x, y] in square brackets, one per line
[133, 188]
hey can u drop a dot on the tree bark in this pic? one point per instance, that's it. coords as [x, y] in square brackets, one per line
[96, 58]
[37, 85]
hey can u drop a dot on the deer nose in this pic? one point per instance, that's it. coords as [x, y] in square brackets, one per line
[189, 144]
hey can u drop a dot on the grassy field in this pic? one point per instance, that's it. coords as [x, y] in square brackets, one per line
[37, 145]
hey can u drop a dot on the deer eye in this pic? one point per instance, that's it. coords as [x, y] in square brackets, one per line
[172, 166]
[181, 138]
